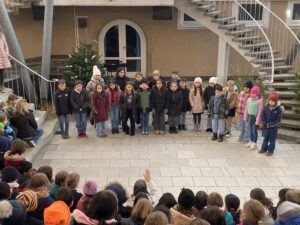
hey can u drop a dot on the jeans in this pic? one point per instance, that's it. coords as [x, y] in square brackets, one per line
[197, 118]
[128, 115]
[270, 136]
[159, 121]
[100, 128]
[36, 138]
[228, 124]
[173, 121]
[244, 129]
[182, 118]
[253, 133]
[81, 121]
[64, 124]
[114, 116]
[145, 121]
[218, 125]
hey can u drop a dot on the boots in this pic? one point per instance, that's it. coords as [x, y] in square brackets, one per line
[171, 130]
[175, 130]
[179, 127]
[220, 139]
[183, 127]
[214, 137]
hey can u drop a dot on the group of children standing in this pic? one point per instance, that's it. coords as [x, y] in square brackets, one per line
[123, 100]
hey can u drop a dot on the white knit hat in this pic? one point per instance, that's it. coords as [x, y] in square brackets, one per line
[198, 79]
[213, 80]
[96, 71]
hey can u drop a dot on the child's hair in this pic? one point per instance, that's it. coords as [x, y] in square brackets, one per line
[199, 222]
[2, 117]
[25, 167]
[141, 210]
[120, 191]
[17, 147]
[232, 204]
[61, 81]
[259, 195]
[168, 200]
[38, 181]
[127, 84]
[253, 211]
[12, 97]
[200, 89]
[60, 178]
[281, 195]
[138, 73]
[21, 107]
[230, 82]
[103, 206]
[95, 90]
[156, 218]
[139, 196]
[165, 211]
[293, 195]
[48, 171]
[2, 105]
[173, 82]
[78, 82]
[72, 180]
[215, 199]
[213, 215]
[119, 70]
[200, 200]
[183, 80]
[64, 194]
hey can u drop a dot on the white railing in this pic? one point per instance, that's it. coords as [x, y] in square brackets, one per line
[15, 79]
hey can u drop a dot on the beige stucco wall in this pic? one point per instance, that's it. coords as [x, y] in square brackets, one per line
[192, 51]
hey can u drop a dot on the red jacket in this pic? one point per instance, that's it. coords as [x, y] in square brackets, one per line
[13, 160]
[100, 105]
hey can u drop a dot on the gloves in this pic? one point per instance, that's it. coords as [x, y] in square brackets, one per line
[8, 130]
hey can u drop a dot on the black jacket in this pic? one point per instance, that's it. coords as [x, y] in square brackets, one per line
[124, 105]
[26, 125]
[174, 102]
[80, 101]
[62, 102]
[121, 81]
[158, 100]
[208, 93]
[185, 102]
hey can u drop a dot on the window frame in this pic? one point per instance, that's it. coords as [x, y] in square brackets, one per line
[289, 14]
[181, 24]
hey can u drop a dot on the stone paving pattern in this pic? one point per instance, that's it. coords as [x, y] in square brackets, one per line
[188, 159]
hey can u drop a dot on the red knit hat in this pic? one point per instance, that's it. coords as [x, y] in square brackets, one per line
[57, 213]
[274, 96]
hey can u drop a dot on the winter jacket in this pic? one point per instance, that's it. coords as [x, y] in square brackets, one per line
[18, 215]
[242, 102]
[136, 85]
[76, 198]
[100, 106]
[179, 218]
[26, 125]
[207, 94]
[4, 52]
[271, 116]
[114, 96]
[196, 102]
[13, 160]
[223, 109]
[79, 218]
[288, 213]
[43, 203]
[121, 81]
[174, 102]
[124, 104]
[5, 144]
[185, 100]
[159, 99]
[90, 87]
[80, 100]
[62, 102]
[232, 101]
[254, 112]
[144, 98]
[171, 81]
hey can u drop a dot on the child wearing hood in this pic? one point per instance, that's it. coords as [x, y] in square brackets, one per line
[252, 115]
[271, 118]
[209, 91]
[96, 79]
[15, 157]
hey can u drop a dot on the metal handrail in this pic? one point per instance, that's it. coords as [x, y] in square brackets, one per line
[32, 71]
[266, 37]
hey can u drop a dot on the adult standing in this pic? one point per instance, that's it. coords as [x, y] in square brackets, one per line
[4, 59]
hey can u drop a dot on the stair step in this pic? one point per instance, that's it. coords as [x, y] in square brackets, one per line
[240, 32]
[261, 53]
[282, 68]
[11, 78]
[290, 114]
[284, 94]
[284, 76]
[249, 38]
[256, 45]
[289, 135]
[232, 26]
[205, 7]
[267, 60]
[214, 13]
[223, 20]
[290, 123]
[292, 102]
[196, 1]
[290, 84]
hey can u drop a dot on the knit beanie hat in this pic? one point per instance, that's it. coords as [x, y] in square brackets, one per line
[274, 96]
[6, 209]
[198, 80]
[140, 186]
[186, 198]
[156, 72]
[29, 199]
[9, 174]
[213, 80]
[120, 192]
[96, 71]
[25, 167]
[248, 84]
[219, 87]
[4, 190]
[57, 213]
[255, 90]
[90, 188]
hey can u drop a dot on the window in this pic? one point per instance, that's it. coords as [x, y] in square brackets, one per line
[255, 10]
[293, 14]
[187, 22]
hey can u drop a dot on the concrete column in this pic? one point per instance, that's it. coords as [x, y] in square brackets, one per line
[15, 51]
[223, 60]
[47, 40]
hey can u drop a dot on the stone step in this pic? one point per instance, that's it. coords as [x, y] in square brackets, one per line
[240, 32]
[290, 114]
[289, 135]
[291, 84]
[292, 102]
[205, 7]
[232, 26]
[268, 60]
[254, 46]
[284, 76]
[11, 78]
[214, 13]
[261, 53]
[248, 38]
[282, 68]
[290, 123]
[40, 117]
[223, 20]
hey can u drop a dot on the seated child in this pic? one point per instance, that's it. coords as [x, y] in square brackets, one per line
[26, 172]
[8, 131]
[15, 157]
[89, 190]
[59, 181]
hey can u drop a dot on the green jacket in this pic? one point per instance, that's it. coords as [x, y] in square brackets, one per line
[144, 105]
[224, 107]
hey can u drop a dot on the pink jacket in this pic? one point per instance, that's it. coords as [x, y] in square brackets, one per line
[260, 102]
[4, 52]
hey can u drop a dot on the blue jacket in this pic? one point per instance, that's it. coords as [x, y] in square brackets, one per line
[271, 116]
[295, 220]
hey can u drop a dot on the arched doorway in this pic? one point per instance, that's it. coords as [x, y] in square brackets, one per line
[123, 41]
